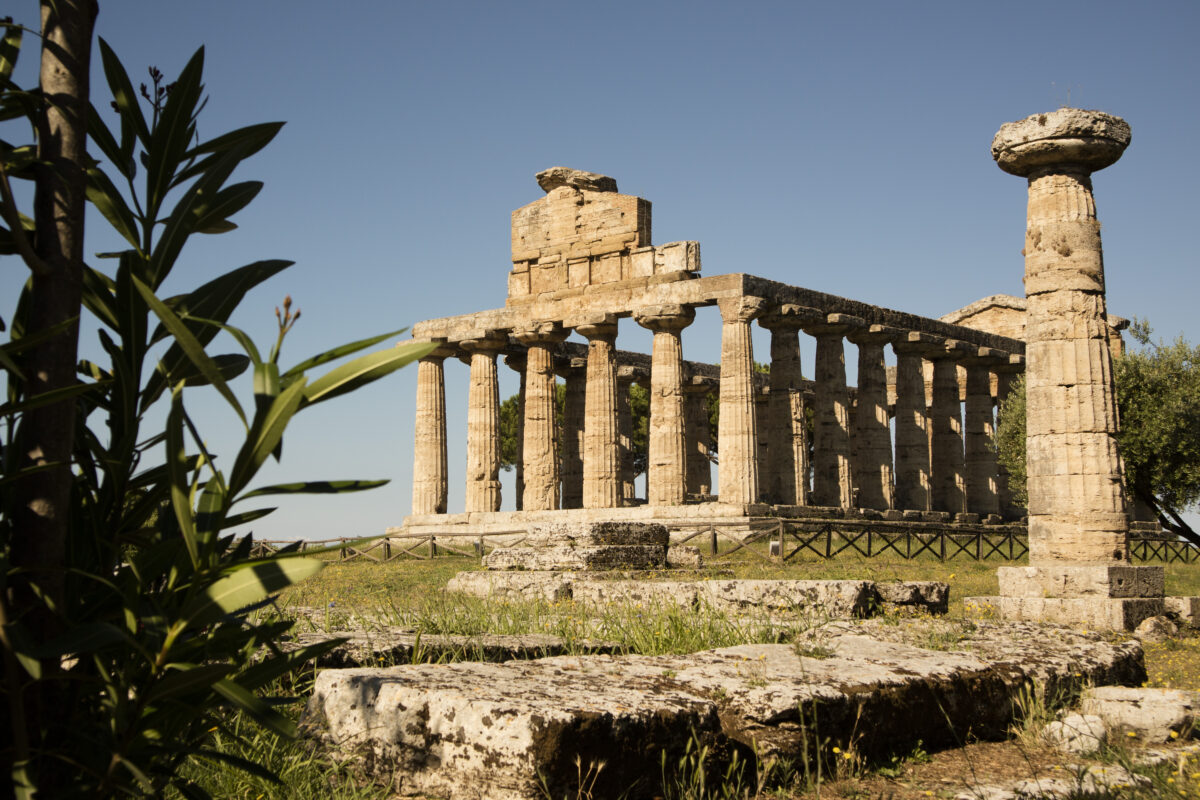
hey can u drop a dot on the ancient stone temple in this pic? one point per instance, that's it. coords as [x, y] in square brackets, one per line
[890, 449]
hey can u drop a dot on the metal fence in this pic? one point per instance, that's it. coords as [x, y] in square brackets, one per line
[775, 541]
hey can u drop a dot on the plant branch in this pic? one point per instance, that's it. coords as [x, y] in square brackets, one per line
[13, 218]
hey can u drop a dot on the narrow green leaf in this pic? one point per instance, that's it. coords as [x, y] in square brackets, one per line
[230, 365]
[247, 585]
[247, 517]
[125, 98]
[107, 143]
[262, 713]
[184, 679]
[224, 204]
[364, 370]
[339, 352]
[270, 669]
[314, 487]
[266, 380]
[190, 346]
[266, 434]
[50, 398]
[177, 473]
[108, 201]
[24, 472]
[10, 48]
[98, 291]
[248, 140]
[171, 137]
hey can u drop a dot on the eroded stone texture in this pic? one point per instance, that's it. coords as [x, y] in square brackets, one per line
[737, 425]
[483, 425]
[571, 557]
[832, 476]
[601, 454]
[597, 533]
[515, 730]
[430, 468]
[539, 452]
[699, 438]
[912, 423]
[1153, 714]
[1076, 505]
[787, 448]
[873, 477]
[667, 457]
[574, 404]
[947, 482]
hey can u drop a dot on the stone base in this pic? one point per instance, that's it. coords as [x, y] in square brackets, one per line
[1188, 609]
[598, 557]
[1099, 613]
[1083, 580]
[596, 534]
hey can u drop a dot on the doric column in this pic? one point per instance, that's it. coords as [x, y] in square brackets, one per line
[785, 480]
[539, 450]
[483, 423]
[737, 432]
[1006, 373]
[518, 363]
[627, 376]
[601, 454]
[574, 375]
[666, 468]
[1076, 504]
[872, 431]
[947, 482]
[699, 437]
[429, 442]
[832, 479]
[912, 422]
[979, 433]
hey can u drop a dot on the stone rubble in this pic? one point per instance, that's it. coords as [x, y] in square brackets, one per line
[1153, 715]
[1076, 733]
[1085, 783]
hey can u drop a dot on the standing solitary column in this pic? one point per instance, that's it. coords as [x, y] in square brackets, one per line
[786, 480]
[1006, 373]
[518, 363]
[601, 454]
[1076, 503]
[979, 433]
[666, 468]
[540, 451]
[737, 432]
[430, 481]
[832, 478]
[947, 483]
[483, 424]
[912, 422]
[699, 436]
[872, 431]
[574, 375]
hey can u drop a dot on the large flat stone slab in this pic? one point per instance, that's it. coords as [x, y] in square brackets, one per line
[387, 647]
[514, 730]
[571, 557]
[1095, 611]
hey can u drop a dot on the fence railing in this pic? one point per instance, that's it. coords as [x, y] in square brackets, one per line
[776, 541]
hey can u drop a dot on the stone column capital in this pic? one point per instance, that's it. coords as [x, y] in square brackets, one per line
[570, 366]
[516, 361]
[698, 384]
[492, 341]
[953, 349]
[873, 335]
[917, 342]
[987, 357]
[1012, 364]
[835, 325]
[742, 308]
[1066, 140]
[667, 317]
[443, 350]
[540, 333]
[601, 328]
[790, 317]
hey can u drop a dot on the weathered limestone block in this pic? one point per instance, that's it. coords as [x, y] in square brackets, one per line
[1095, 612]
[376, 648]
[539, 451]
[593, 534]
[1076, 733]
[684, 556]
[552, 586]
[821, 599]
[1103, 580]
[1152, 714]
[651, 594]
[1085, 783]
[465, 730]
[932, 597]
[947, 480]
[1186, 608]
[912, 422]
[567, 557]
[551, 179]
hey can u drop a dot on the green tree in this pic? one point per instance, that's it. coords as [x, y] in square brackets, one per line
[1158, 400]
[126, 609]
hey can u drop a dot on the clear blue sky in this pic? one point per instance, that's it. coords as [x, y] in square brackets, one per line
[838, 146]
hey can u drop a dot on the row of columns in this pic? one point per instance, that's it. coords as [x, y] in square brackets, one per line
[942, 460]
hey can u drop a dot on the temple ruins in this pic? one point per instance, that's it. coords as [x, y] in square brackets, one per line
[909, 444]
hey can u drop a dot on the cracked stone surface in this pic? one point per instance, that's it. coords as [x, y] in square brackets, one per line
[469, 730]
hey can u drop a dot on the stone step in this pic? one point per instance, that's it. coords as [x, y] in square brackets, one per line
[402, 646]
[589, 557]
[522, 729]
[827, 599]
